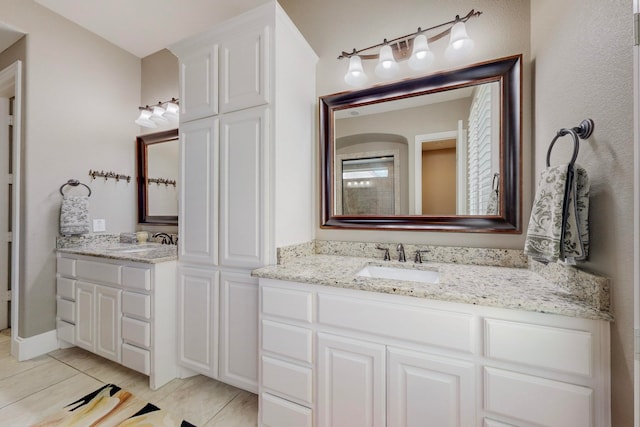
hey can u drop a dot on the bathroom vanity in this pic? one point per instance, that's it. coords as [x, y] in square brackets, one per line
[471, 346]
[119, 302]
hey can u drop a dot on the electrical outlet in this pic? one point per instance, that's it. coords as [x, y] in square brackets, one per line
[99, 225]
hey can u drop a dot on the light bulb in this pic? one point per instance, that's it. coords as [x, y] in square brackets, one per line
[387, 66]
[355, 74]
[172, 112]
[460, 44]
[421, 57]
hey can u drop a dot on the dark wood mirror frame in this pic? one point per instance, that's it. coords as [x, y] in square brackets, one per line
[142, 142]
[508, 72]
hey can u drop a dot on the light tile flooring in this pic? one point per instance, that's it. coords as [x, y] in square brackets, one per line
[33, 389]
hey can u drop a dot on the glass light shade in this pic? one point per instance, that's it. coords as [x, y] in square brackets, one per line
[460, 44]
[157, 115]
[387, 66]
[355, 74]
[422, 56]
[145, 119]
[172, 112]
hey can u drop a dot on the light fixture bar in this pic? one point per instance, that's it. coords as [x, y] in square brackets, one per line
[407, 39]
[159, 104]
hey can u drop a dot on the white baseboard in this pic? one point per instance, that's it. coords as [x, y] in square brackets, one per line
[28, 348]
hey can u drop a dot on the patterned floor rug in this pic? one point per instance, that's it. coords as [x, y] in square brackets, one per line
[110, 406]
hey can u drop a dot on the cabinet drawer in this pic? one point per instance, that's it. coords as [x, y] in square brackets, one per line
[537, 400]
[66, 288]
[288, 341]
[406, 322]
[136, 331]
[66, 331]
[136, 358]
[98, 271]
[565, 350]
[290, 380]
[66, 266]
[136, 278]
[137, 305]
[276, 412]
[287, 303]
[66, 310]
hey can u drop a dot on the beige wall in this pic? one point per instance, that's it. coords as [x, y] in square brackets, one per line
[583, 64]
[81, 99]
[160, 82]
[439, 182]
[332, 26]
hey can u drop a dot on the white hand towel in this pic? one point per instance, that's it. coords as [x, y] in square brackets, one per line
[555, 234]
[74, 215]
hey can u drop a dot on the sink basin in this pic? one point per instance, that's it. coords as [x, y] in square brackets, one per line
[413, 275]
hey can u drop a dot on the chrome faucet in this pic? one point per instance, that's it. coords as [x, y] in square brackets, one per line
[400, 250]
[418, 259]
[167, 239]
[386, 252]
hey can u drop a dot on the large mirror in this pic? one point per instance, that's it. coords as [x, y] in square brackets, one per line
[441, 152]
[157, 170]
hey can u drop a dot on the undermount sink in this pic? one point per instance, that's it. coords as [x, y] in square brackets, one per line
[410, 274]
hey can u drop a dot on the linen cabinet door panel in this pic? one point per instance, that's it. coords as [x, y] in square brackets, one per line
[85, 315]
[243, 181]
[427, 387]
[351, 382]
[244, 76]
[239, 330]
[199, 84]
[108, 322]
[198, 225]
[198, 292]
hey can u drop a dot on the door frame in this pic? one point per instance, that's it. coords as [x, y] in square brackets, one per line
[636, 222]
[11, 76]
[461, 159]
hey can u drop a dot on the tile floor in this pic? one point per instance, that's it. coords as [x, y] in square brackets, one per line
[32, 389]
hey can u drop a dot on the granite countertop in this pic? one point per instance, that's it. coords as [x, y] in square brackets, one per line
[151, 253]
[504, 287]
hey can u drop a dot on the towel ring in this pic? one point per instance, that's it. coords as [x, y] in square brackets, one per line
[583, 131]
[74, 183]
[576, 145]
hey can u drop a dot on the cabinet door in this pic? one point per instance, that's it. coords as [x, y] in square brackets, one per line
[198, 320]
[351, 382]
[85, 315]
[199, 192]
[239, 330]
[243, 183]
[199, 84]
[108, 322]
[243, 64]
[427, 387]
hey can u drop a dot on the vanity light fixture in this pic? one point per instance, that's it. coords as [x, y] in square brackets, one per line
[421, 57]
[162, 113]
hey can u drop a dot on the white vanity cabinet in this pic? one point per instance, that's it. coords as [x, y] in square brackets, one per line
[246, 136]
[122, 310]
[332, 356]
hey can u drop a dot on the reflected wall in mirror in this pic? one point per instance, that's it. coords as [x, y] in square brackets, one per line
[441, 152]
[157, 170]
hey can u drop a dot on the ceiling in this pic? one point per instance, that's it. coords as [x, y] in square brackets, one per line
[143, 27]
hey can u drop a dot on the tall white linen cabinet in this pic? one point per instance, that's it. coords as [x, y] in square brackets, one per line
[248, 106]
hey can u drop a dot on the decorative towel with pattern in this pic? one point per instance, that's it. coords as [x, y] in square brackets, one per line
[74, 215]
[553, 233]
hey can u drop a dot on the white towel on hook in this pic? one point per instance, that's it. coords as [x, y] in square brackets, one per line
[74, 215]
[554, 234]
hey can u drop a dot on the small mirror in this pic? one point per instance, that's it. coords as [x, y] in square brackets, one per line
[440, 152]
[157, 167]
